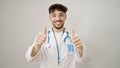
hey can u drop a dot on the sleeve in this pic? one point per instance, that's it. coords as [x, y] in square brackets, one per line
[86, 55]
[37, 57]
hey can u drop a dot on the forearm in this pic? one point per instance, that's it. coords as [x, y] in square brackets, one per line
[35, 50]
[80, 49]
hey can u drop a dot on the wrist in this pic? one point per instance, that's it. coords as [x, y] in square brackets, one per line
[37, 46]
[80, 50]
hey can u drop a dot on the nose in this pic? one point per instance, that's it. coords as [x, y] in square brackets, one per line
[57, 18]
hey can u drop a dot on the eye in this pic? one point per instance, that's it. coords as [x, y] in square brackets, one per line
[53, 15]
[61, 15]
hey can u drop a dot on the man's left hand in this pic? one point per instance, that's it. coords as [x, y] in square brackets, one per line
[77, 42]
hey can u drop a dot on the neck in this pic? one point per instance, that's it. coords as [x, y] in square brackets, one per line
[58, 30]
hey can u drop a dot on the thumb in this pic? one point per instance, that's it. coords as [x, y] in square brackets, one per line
[44, 30]
[72, 33]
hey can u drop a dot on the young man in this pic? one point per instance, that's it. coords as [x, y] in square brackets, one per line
[56, 47]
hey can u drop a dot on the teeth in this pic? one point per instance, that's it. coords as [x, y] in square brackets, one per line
[58, 22]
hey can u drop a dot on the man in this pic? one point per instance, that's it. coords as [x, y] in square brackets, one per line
[56, 47]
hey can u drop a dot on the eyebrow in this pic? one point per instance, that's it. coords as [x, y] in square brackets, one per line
[61, 13]
[55, 13]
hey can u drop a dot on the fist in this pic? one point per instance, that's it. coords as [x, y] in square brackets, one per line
[76, 40]
[40, 39]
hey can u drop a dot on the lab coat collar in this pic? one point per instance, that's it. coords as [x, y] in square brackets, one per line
[64, 35]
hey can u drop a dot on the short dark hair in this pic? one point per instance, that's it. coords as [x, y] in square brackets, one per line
[59, 7]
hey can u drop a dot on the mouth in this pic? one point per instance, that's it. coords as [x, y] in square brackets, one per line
[58, 22]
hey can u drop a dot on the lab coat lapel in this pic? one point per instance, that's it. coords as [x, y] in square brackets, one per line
[52, 37]
[63, 37]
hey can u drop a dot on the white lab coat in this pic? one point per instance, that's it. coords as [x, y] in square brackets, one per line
[47, 55]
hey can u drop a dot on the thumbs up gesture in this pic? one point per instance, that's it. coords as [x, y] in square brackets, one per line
[40, 39]
[77, 42]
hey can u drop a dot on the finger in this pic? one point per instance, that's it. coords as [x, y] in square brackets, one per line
[41, 37]
[77, 44]
[72, 33]
[77, 39]
[44, 30]
[40, 40]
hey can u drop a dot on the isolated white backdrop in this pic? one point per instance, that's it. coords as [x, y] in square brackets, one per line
[96, 21]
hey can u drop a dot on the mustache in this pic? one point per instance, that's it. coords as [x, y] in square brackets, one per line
[58, 21]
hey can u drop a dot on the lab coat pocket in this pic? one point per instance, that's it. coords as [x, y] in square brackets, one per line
[70, 49]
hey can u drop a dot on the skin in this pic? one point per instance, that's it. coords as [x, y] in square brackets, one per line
[57, 19]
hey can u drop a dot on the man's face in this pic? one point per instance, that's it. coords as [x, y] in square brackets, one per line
[57, 18]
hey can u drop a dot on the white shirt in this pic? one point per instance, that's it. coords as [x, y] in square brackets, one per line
[47, 55]
[58, 36]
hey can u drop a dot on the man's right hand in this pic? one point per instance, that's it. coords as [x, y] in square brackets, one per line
[40, 39]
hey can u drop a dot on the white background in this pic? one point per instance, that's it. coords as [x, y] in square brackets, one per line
[97, 22]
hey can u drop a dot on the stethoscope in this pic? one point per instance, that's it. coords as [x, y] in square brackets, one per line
[57, 45]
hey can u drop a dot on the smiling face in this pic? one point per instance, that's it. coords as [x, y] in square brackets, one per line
[57, 18]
